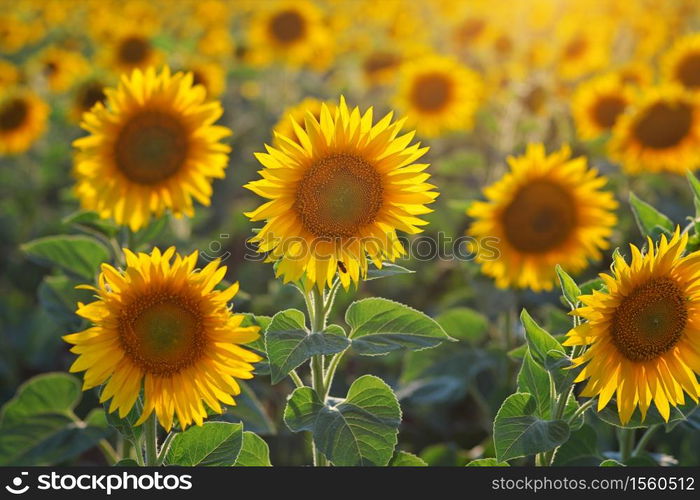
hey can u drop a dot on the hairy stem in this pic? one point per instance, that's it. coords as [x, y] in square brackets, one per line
[626, 440]
[150, 434]
[644, 440]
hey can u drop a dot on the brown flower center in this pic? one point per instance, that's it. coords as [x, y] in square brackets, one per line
[540, 218]
[91, 94]
[134, 50]
[287, 26]
[535, 99]
[650, 320]
[380, 61]
[664, 125]
[576, 48]
[469, 30]
[162, 332]
[607, 109]
[338, 195]
[151, 147]
[431, 92]
[13, 113]
[688, 70]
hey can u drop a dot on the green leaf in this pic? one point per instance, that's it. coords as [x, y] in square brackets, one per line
[464, 324]
[517, 432]
[79, 255]
[538, 339]
[487, 462]
[362, 429]
[405, 459]
[651, 222]
[47, 393]
[91, 220]
[254, 452]
[38, 427]
[694, 184]
[534, 379]
[126, 462]
[589, 286]
[387, 270]
[288, 343]
[212, 444]
[59, 297]
[126, 426]
[380, 326]
[569, 288]
[611, 463]
[303, 406]
[580, 450]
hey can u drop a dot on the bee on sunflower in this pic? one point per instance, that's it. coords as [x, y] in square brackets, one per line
[659, 132]
[160, 325]
[339, 189]
[548, 210]
[641, 333]
[152, 146]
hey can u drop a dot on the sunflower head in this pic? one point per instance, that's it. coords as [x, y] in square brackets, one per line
[339, 189]
[130, 50]
[598, 103]
[548, 210]
[297, 115]
[23, 117]
[682, 63]
[161, 326]
[87, 94]
[438, 94]
[641, 333]
[660, 132]
[60, 68]
[152, 146]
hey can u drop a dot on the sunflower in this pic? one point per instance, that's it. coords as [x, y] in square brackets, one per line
[548, 210]
[636, 74]
[338, 193]
[291, 31]
[598, 103]
[87, 94]
[643, 331]
[9, 75]
[583, 48]
[152, 146]
[661, 132]
[682, 63]
[209, 75]
[60, 68]
[296, 115]
[380, 67]
[23, 118]
[129, 50]
[438, 94]
[160, 325]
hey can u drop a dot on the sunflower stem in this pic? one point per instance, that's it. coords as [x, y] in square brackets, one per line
[165, 447]
[317, 316]
[644, 440]
[296, 379]
[626, 440]
[580, 410]
[151, 437]
[108, 451]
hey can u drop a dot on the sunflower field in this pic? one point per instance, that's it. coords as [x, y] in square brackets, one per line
[350, 233]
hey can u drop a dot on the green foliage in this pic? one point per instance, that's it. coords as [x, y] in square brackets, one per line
[678, 415]
[212, 444]
[288, 342]
[581, 449]
[518, 432]
[358, 430]
[379, 326]
[38, 426]
[386, 271]
[78, 255]
[405, 459]
[543, 346]
[487, 462]
[463, 323]
[650, 221]
[569, 288]
[254, 452]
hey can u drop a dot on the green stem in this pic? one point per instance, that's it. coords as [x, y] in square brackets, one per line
[165, 448]
[317, 317]
[330, 373]
[581, 409]
[150, 433]
[296, 379]
[109, 453]
[644, 440]
[626, 439]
